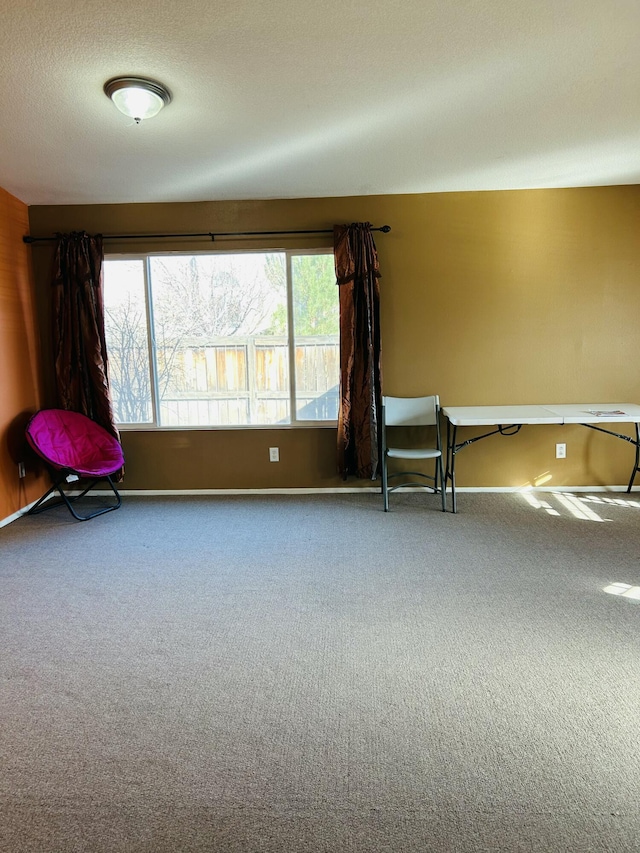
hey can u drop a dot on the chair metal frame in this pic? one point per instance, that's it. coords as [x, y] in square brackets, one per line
[410, 412]
[60, 476]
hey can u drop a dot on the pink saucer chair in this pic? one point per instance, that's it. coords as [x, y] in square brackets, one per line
[74, 448]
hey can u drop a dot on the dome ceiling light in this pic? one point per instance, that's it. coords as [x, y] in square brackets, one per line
[137, 97]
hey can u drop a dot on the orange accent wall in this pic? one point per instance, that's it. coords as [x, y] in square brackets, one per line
[20, 385]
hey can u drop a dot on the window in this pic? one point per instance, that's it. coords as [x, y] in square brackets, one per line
[222, 339]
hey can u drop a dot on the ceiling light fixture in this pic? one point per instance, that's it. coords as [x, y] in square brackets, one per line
[137, 97]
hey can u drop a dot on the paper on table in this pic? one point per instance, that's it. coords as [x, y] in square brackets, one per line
[604, 413]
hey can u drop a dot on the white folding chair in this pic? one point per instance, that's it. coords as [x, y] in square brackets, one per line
[413, 412]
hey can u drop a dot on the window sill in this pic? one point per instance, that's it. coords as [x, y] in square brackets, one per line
[230, 428]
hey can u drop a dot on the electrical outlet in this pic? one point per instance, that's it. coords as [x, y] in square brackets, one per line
[274, 454]
[21, 470]
[561, 451]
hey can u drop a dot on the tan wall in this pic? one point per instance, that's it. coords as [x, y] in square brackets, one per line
[496, 297]
[19, 358]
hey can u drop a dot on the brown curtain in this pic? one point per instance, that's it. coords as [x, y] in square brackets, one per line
[80, 352]
[357, 275]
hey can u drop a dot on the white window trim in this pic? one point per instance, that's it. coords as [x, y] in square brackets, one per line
[153, 426]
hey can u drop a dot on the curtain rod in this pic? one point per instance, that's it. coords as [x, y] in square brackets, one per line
[28, 239]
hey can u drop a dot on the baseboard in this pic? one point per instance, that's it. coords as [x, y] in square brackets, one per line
[16, 515]
[498, 489]
[353, 490]
[356, 490]
[348, 490]
[284, 491]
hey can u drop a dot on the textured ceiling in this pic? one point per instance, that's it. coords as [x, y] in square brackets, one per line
[291, 98]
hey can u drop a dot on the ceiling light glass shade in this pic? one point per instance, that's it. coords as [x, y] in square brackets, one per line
[137, 97]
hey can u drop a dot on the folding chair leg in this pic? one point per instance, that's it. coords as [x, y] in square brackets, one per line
[36, 508]
[70, 501]
[385, 486]
[443, 489]
[67, 501]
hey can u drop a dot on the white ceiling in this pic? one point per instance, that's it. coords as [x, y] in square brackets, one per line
[292, 98]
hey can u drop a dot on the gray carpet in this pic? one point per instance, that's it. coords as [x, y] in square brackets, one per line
[293, 673]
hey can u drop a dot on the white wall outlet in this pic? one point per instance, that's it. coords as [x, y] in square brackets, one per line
[21, 470]
[561, 451]
[274, 454]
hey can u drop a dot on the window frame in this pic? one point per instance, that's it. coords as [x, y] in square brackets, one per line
[153, 425]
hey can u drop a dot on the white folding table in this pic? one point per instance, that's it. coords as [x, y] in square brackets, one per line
[508, 420]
